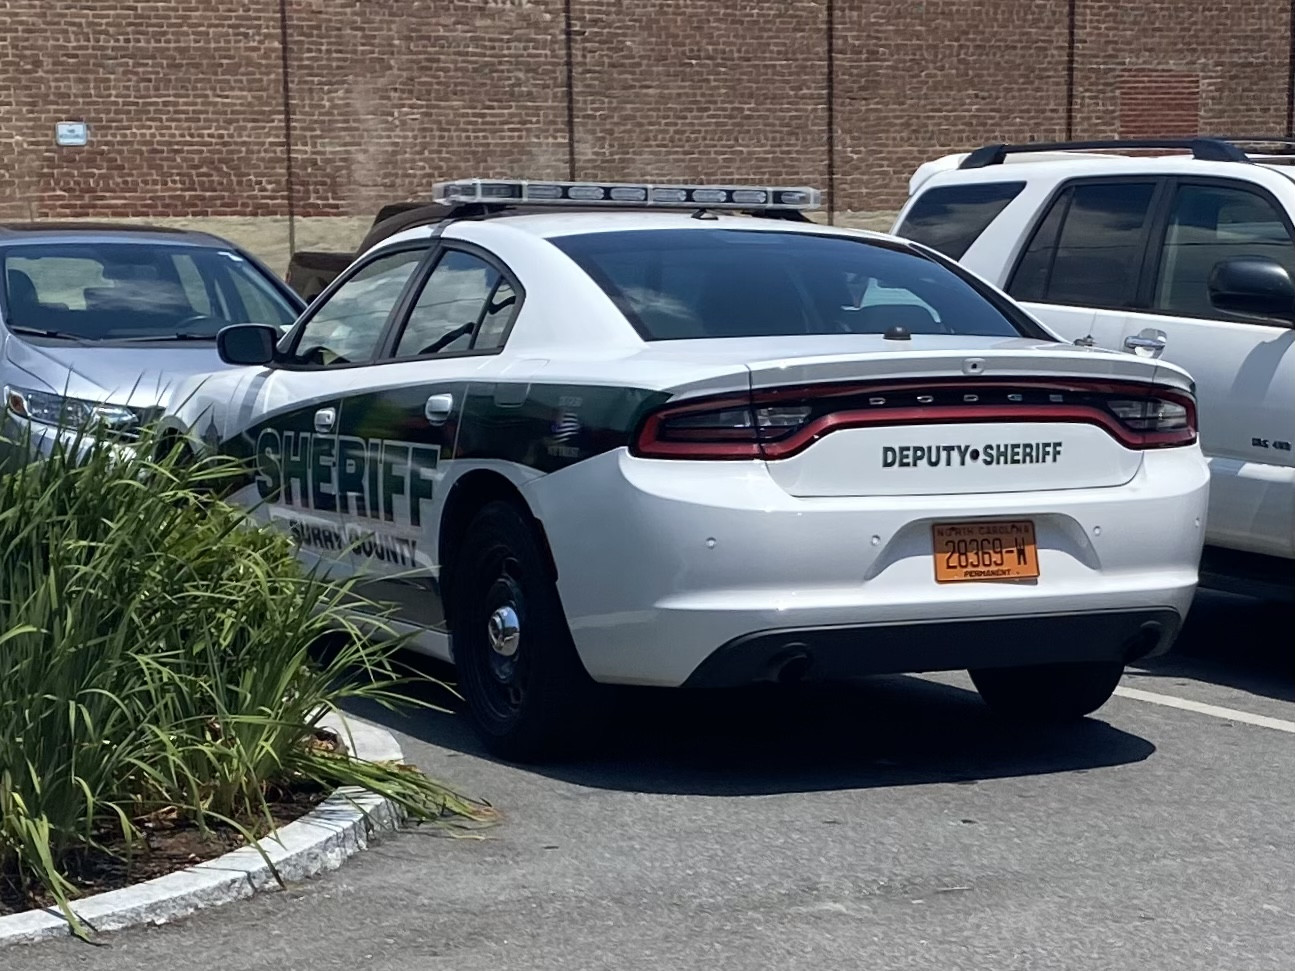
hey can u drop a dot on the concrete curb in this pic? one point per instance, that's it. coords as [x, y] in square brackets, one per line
[322, 840]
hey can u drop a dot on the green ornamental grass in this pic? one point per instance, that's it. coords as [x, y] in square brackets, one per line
[156, 659]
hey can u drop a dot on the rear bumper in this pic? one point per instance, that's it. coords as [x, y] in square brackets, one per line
[662, 564]
[842, 652]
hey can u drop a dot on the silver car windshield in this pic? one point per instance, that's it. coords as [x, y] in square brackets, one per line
[134, 291]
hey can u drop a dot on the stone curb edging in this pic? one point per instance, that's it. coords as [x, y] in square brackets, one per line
[321, 840]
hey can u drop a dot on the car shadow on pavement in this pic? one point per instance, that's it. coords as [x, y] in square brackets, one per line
[1234, 642]
[891, 731]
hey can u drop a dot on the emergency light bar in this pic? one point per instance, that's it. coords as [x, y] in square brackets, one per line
[636, 194]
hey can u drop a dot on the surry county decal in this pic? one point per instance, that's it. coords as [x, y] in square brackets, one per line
[386, 481]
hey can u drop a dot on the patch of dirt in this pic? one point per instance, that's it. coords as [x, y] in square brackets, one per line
[170, 843]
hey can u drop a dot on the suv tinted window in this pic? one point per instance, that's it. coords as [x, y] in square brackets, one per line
[1209, 224]
[951, 218]
[1088, 249]
[677, 284]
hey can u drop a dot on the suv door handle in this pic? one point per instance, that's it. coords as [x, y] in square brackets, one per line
[438, 408]
[324, 419]
[1145, 342]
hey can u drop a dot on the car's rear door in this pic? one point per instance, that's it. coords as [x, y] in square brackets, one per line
[401, 417]
[1080, 269]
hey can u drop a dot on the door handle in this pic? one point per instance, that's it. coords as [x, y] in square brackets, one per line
[1137, 341]
[1149, 339]
[324, 419]
[438, 408]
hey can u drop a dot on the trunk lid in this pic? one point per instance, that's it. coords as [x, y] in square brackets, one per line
[951, 415]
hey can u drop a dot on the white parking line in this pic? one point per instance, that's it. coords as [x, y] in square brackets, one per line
[1228, 714]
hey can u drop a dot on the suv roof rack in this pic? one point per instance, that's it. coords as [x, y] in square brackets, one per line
[1285, 155]
[1209, 149]
[1253, 139]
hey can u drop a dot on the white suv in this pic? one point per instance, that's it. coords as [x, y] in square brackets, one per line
[1187, 256]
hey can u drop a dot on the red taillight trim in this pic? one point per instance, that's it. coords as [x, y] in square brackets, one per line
[647, 443]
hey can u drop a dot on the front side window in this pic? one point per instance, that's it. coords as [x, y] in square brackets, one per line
[346, 327]
[951, 218]
[702, 283]
[463, 306]
[1088, 249]
[1207, 225]
[134, 291]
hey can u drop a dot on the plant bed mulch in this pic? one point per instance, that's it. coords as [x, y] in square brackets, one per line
[170, 843]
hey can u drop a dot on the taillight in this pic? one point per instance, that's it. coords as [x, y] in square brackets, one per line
[719, 429]
[1154, 415]
[779, 423]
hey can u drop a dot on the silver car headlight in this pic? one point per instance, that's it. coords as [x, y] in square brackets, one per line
[59, 410]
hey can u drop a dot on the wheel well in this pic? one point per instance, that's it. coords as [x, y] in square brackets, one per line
[170, 439]
[469, 495]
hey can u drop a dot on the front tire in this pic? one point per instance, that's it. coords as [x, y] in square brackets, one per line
[1048, 692]
[526, 690]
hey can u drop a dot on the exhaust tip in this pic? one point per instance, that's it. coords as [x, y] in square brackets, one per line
[1144, 642]
[794, 665]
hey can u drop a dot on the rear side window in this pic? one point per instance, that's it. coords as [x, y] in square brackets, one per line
[1087, 251]
[680, 284]
[461, 308]
[951, 218]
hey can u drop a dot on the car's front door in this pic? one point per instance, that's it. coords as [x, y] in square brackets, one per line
[1243, 364]
[400, 423]
[289, 414]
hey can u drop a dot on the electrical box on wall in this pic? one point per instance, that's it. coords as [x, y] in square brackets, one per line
[71, 133]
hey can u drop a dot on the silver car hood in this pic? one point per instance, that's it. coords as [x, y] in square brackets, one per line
[143, 375]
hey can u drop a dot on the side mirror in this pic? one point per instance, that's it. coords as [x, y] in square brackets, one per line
[247, 343]
[1253, 286]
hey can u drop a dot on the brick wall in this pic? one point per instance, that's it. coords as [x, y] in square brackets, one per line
[1238, 53]
[185, 97]
[184, 107]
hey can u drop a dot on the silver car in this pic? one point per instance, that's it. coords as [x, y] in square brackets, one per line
[99, 322]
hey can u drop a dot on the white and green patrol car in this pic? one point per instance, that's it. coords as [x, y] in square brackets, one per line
[683, 436]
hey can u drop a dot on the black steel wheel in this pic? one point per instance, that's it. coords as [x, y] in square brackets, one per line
[527, 692]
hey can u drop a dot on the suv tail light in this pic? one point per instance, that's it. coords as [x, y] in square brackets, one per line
[779, 423]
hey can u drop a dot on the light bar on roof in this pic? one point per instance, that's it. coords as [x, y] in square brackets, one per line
[635, 194]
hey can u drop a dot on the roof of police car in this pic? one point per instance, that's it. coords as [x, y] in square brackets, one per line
[551, 225]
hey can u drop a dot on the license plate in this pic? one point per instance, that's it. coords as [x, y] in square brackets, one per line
[996, 550]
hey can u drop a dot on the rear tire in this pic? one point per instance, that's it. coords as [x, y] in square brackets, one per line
[1048, 692]
[526, 690]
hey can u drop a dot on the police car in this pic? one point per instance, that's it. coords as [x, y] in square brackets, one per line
[682, 435]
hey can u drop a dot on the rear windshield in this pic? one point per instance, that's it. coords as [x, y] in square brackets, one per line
[106, 291]
[702, 283]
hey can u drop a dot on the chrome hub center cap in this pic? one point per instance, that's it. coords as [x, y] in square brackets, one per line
[504, 630]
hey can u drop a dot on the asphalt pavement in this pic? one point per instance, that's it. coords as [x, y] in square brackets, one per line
[893, 824]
